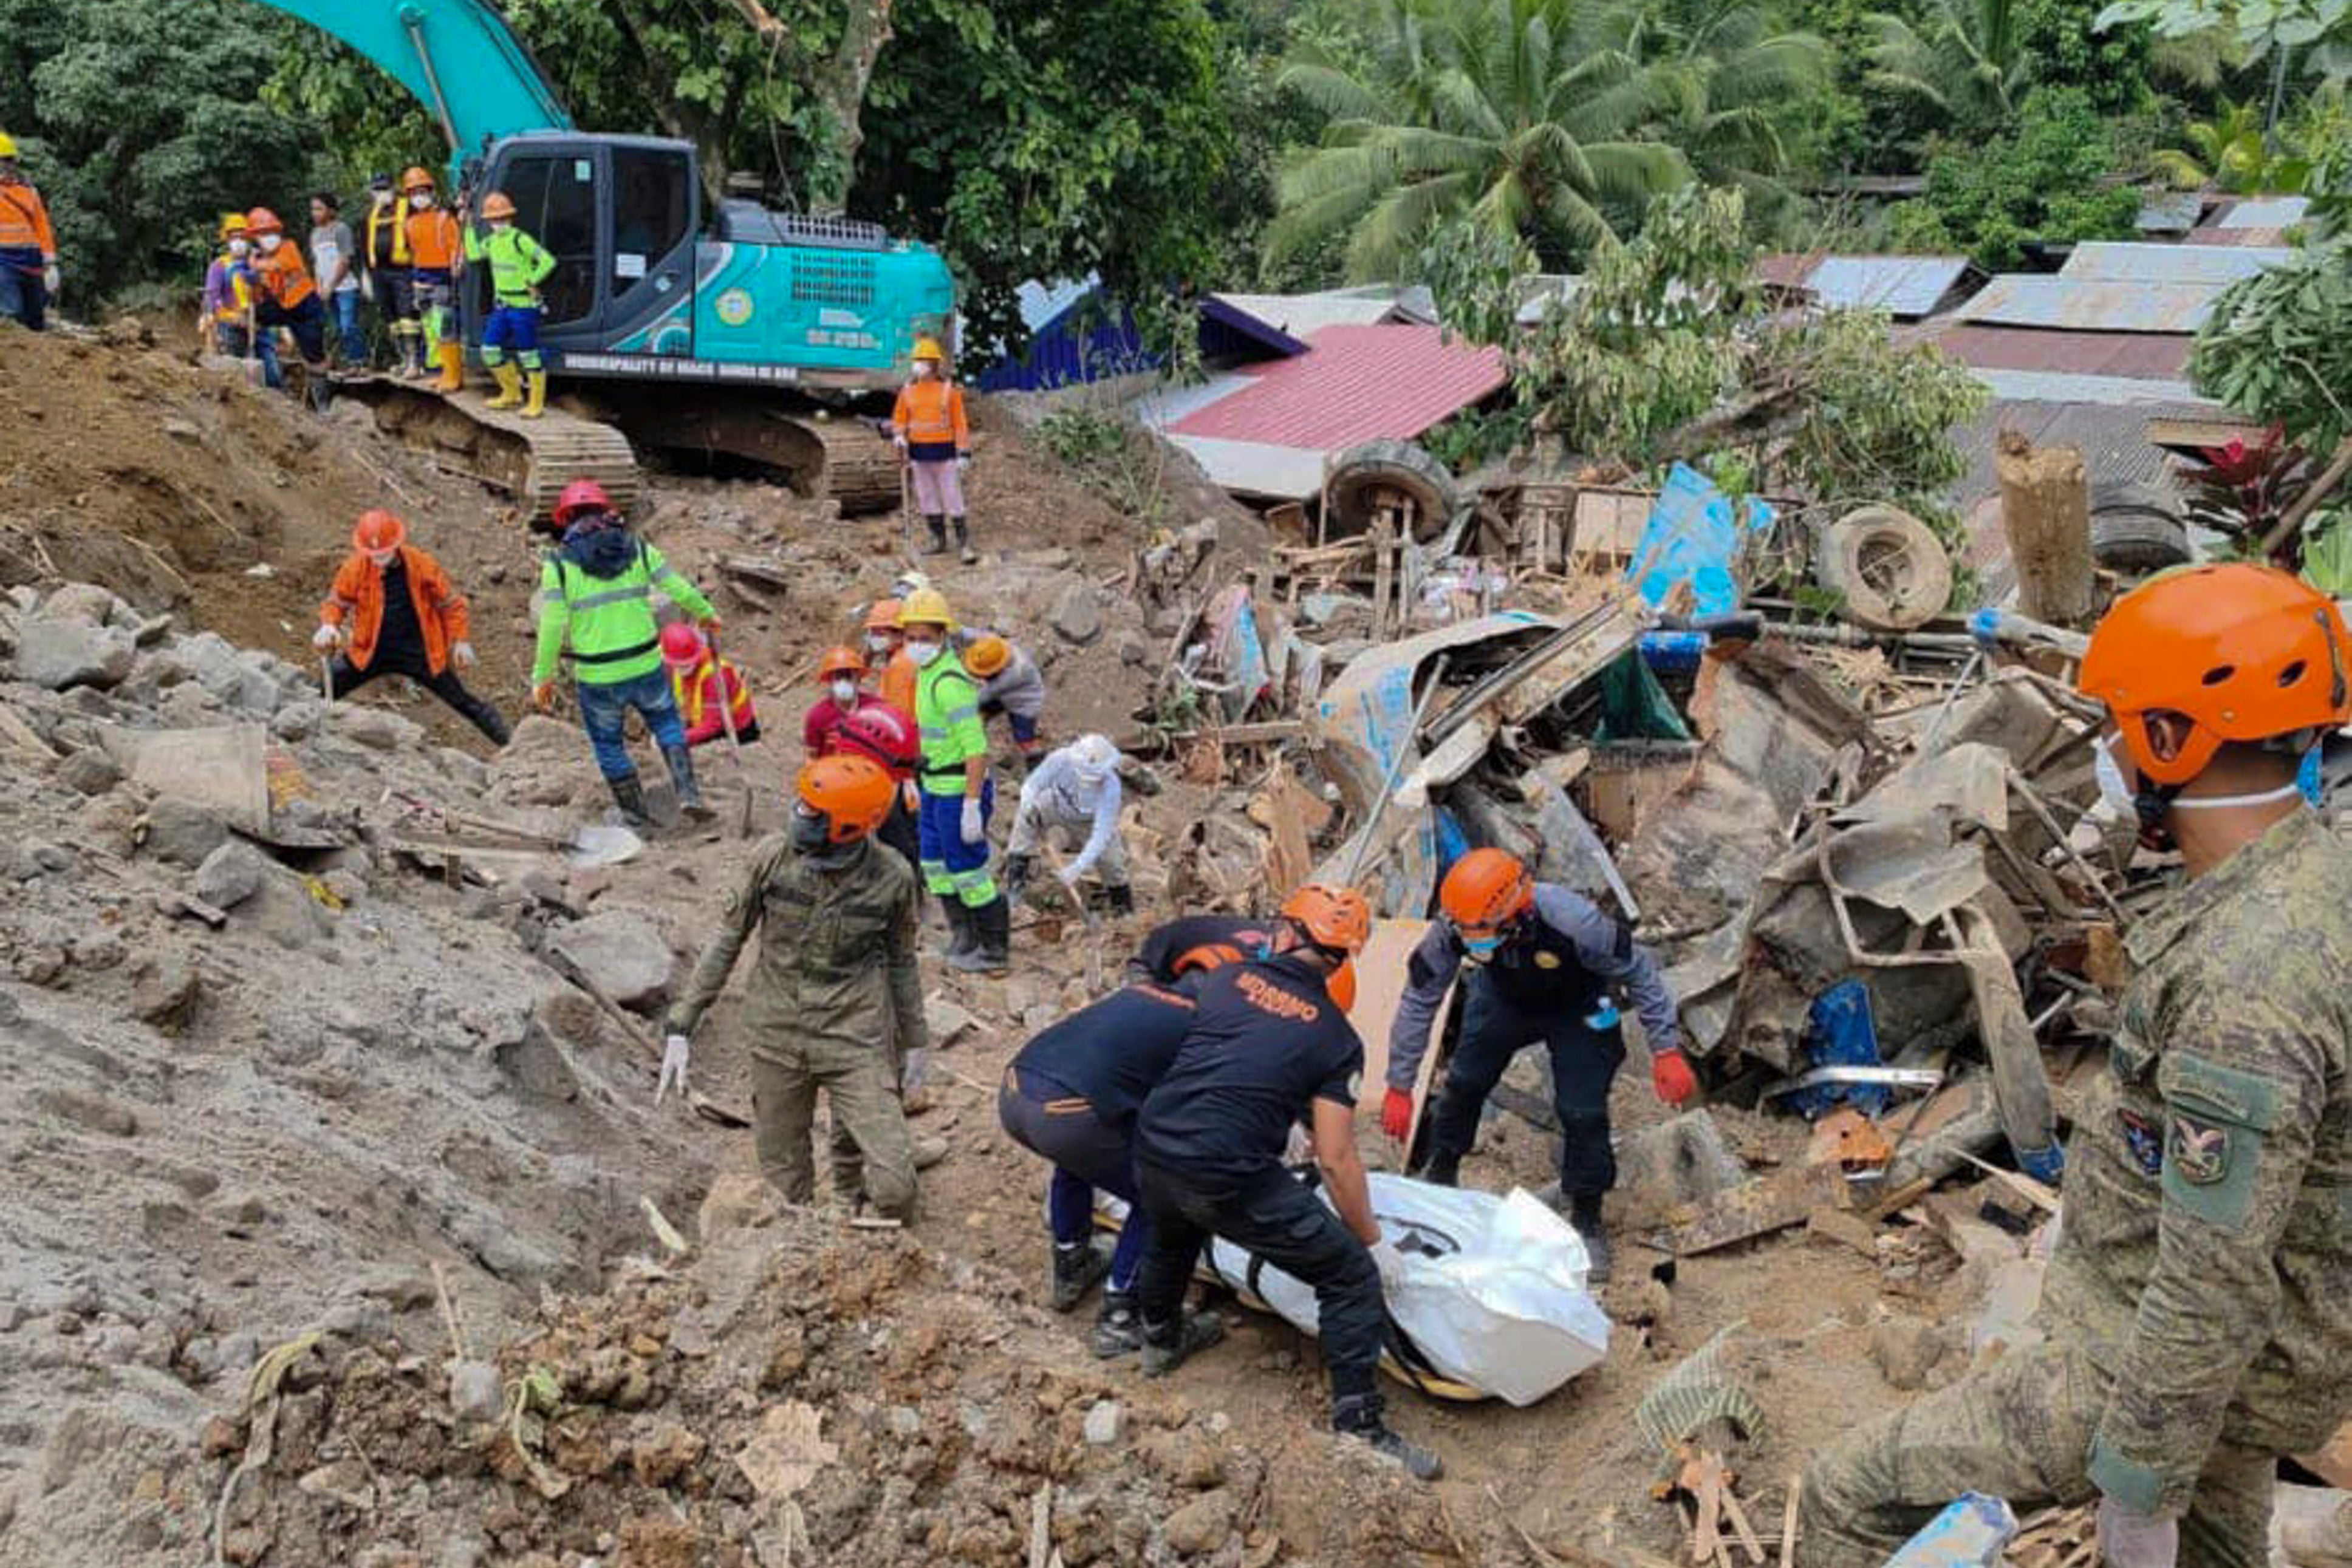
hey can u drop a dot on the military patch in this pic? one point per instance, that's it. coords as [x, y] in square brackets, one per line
[2198, 1151]
[1547, 960]
[2140, 1139]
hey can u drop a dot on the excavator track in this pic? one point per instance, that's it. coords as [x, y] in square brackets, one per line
[822, 453]
[531, 459]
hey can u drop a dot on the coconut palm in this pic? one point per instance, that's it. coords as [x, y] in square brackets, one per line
[1505, 112]
[2228, 153]
[1964, 59]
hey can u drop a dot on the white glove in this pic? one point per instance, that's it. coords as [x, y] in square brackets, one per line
[964, 461]
[1069, 875]
[52, 279]
[2129, 1538]
[973, 829]
[899, 442]
[675, 1051]
[916, 1071]
[462, 655]
[325, 638]
[1389, 1261]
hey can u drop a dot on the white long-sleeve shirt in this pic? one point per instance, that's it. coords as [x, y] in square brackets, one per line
[1058, 795]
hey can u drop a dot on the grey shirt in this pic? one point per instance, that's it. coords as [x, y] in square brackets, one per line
[331, 243]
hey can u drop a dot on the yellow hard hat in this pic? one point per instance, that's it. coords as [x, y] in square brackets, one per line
[7, 145]
[927, 607]
[929, 348]
[232, 224]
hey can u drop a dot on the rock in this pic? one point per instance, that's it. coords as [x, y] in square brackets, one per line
[1076, 617]
[622, 951]
[737, 1201]
[1133, 651]
[181, 430]
[164, 994]
[1680, 1161]
[57, 654]
[41, 965]
[663, 1452]
[84, 602]
[475, 1391]
[375, 728]
[88, 1111]
[91, 772]
[349, 886]
[297, 719]
[182, 832]
[231, 874]
[1202, 1525]
[1906, 1350]
[1104, 1423]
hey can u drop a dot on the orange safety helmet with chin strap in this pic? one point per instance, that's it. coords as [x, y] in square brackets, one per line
[2241, 652]
[379, 531]
[1334, 918]
[1341, 986]
[840, 662]
[1485, 891]
[852, 793]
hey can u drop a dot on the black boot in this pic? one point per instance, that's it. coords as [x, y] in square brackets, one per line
[1121, 899]
[1168, 1346]
[970, 556]
[939, 534]
[629, 798]
[1358, 1415]
[1016, 874]
[1444, 1169]
[1076, 1270]
[1584, 1212]
[991, 926]
[960, 933]
[317, 387]
[1118, 1331]
[681, 776]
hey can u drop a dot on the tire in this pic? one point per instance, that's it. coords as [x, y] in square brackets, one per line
[2138, 539]
[1887, 565]
[1362, 473]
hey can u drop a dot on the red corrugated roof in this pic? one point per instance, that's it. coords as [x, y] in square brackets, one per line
[1355, 383]
[2142, 356]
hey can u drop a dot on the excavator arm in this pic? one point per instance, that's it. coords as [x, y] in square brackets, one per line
[458, 57]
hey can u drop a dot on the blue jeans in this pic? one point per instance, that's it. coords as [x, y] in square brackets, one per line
[23, 293]
[605, 714]
[349, 347]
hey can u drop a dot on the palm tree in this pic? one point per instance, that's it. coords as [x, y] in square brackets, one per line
[1501, 110]
[2228, 153]
[1964, 60]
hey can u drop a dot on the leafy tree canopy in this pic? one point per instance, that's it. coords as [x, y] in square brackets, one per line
[2044, 181]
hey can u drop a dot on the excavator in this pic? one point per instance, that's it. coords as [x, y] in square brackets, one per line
[739, 332]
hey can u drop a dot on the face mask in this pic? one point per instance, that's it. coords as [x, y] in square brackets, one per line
[923, 371]
[2120, 799]
[239, 246]
[879, 643]
[922, 653]
[809, 831]
[384, 198]
[499, 226]
[1481, 950]
[845, 693]
[2261, 798]
[269, 243]
[383, 557]
[420, 200]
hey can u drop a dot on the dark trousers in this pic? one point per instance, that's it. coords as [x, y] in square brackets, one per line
[899, 831]
[347, 677]
[1583, 1062]
[1279, 1219]
[307, 322]
[1087, 1152]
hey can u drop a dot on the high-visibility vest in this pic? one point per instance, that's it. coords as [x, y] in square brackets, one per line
[518, 264]
[283, 277]
[930, 415]
[25, 220]
[947, 719]
[608, 621]
[434, 242]
[389, 221]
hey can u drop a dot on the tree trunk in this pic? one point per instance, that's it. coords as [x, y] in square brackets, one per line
[2046, 509]
[842, 93]
[682, 120]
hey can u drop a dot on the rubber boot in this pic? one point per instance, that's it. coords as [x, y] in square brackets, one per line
[1076, 1270]
[993, 940]
[938, 527]
[1118, 1331]
[535, 406]
[509, 382]
[681, 776]
[1121, 900]
[1358, 1415]
[412, 356]
[961, 935]
[964, 551]
[1169, 1346]
[1016, 874]
[1584, 1212]
[1444, 1169]
[453, 369]
[927, 1150]
[319, 388]
[629, 798]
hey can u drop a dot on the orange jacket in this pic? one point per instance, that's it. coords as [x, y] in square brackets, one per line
[359, 596]
[897, 683]
[930, 414]
[695, 690]
[25, 220]
[281, 275]
[434, 242]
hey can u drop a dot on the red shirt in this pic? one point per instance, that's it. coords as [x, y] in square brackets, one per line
[823, 717]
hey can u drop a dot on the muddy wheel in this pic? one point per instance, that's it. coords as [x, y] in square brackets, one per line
[1887, 565]
[1390, 472]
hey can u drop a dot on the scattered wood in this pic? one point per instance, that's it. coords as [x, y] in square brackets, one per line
[768, 573]
[1788, 1521]
[664, 1231]
[1754, 1208]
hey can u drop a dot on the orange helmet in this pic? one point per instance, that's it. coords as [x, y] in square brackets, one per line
[1334, 918]
[852, 793]
[498, 204]
[1485, 891]
[262, 221]
[840, 662]
[987, 656]
[418, 177]
[884, 616]
[1341, 985]
[2244, 653]
[379, 530]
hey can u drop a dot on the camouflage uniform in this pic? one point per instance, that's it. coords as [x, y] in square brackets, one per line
[832, 1000]
[2195, 1309]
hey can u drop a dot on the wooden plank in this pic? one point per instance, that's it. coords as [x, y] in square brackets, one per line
[1754, 1208]
[2333, 1464]
[1379, 987]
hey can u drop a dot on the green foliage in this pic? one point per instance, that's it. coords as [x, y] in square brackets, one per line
[1963, 58]
[2275, 348]
[1876, 424]
[2327, 555]
[139, 123]
[2229, 153]
[2256, 27]
[2040, 182]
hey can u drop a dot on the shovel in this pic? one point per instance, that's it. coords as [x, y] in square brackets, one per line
[1086, 917]
[595, 844]
[734, 741]
[907, 507]
[253, 373]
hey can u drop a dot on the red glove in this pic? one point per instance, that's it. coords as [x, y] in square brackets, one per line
[1672, 1076]
[1396, 1114]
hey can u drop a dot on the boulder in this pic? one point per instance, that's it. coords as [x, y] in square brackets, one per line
[1200, 1526]
[375, 728]
[85, 601]
[182, 832]
[230, 874]
[56, 653]
[89, 772]
[165, 992]
[622, 952]
[1076, 617]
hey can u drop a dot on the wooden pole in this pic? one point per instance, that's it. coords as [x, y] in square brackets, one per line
[2045, 509]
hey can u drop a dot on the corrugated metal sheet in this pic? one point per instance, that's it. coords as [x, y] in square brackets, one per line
[1042, 304]
[2130, 261]
[1358, 384]
[2078, 305]
[2170, 212]
[1303, 315]
[1256, 468]
[2113, 441]
[1905, 287]
[2273, 238]
[2263, 212]
[2144, 355]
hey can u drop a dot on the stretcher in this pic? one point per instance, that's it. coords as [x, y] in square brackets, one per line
[1492, 1304]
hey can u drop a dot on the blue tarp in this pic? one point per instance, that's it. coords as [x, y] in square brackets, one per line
[1692, 536]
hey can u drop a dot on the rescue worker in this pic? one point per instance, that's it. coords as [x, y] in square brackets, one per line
[957, 795]
[1545, 964]
[882, 734]
[881, 641]
[837, 673]
[284, 296]
[2194, 1315]
[436, 253]
[519, 265]
[1190, 942]
[834, 991]
[708, 689]
[227, 297]
[389, 273]
[394, 612]
[933, 435]
[595, 592]
[1012, 684]
[1269, 1045]
[1074, 794]
[29, 277]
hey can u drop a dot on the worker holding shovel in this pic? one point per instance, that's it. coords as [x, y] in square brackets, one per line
[394, 612]
[934, 440]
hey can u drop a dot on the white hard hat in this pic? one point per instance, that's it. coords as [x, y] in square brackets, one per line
[1094, 755]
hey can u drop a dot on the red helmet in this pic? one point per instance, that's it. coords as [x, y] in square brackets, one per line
[580, 495]
[881, 732]
[681, 645]
[262, 221]
[379, 530]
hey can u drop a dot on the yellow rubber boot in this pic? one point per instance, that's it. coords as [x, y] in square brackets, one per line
[536, 381]
[509, 382]
[453, 369]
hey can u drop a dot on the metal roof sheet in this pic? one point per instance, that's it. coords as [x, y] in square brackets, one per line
[2135, 261]
[1042, 304]
[1302, 315]
[1358, 384]
[2169, 212]
[1907, 286]
[2144, 355]
[2081, 305]
[2263, 212]
[1255, 468]
[2273, 238]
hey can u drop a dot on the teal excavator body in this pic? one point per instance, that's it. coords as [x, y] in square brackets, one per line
[649, 286]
